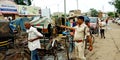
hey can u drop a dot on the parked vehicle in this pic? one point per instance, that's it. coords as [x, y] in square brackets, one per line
[118, 22]
[117, 19]
[94, 25]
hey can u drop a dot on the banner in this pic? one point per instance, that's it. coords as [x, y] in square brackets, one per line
[28, 10]
[8, 7]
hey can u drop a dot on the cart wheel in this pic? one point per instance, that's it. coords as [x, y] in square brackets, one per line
[55, 55]
[55, 50]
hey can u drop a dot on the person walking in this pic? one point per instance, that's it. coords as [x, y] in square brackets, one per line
[102, 25]
[81, 30]
[33, 40]
[107, 22]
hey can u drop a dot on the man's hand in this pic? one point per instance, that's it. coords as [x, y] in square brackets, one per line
[63, 26]
[31, 40]
[90, 48]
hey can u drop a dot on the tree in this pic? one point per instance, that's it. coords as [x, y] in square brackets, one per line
[94, 12]
[116, 3]
[23, 2]
[111, 14]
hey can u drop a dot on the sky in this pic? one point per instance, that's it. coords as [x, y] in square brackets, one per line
[83, 5]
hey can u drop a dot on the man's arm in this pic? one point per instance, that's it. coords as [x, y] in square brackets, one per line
[31, 40]
[89, 39]
[71, 28]
[39, 35]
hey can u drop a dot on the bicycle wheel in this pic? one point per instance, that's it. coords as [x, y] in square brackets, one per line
[55, 50]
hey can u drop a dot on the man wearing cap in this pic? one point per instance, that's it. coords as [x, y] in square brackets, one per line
[81, 31]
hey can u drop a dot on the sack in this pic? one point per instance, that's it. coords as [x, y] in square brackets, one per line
[4, 29]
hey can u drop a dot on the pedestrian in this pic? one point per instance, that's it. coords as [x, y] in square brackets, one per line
[33, 40]
[107, 23]
[49, 30]
[102, 25]
[81, 30]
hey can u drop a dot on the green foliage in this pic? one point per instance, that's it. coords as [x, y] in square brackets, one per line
[111, 14]
[116, 3]
[21, 2]
[94, 12]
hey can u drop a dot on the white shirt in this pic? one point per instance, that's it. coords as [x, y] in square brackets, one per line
[71, 24]
[32, 34]
[79, 32]
[102, 25]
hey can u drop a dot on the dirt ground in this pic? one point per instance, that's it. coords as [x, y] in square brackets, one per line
[108, 48]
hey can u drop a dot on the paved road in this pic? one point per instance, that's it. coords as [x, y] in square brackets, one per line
[109, 48]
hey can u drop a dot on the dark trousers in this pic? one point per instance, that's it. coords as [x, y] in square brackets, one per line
[34, 55]
[102, 33]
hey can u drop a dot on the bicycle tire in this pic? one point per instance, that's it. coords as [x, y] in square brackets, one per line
[55, 51]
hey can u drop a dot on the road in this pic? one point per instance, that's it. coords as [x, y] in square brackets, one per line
[108, 48]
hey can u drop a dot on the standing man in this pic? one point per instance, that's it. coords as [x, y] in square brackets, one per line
[33, 40]
[81, 30]
[102, 26]
[49, 30]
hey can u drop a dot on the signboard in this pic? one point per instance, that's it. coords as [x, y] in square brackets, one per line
[8, 7]
[28, 10]
[45, 12]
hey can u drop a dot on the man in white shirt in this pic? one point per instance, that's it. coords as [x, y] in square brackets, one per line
[33, 40]
[102, 26]
[81, 30]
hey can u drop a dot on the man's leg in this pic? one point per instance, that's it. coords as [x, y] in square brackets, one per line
[81, 49]
[104, 33]
[34, 55]
[101, 32]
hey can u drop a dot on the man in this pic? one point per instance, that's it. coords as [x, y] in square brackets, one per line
[49, 30]
[33, 40]
[102, 26]
[81, 30]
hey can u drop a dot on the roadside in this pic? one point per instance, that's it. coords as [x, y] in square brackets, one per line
[109, 48]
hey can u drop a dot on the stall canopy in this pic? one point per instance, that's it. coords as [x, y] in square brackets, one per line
[41, 22]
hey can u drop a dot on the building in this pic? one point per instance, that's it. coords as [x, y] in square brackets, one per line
[74, 13]
[59, 14]
[8, 9]
[46, 12]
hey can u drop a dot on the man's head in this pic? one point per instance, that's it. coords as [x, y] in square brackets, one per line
[27, 25]
[80, 20]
